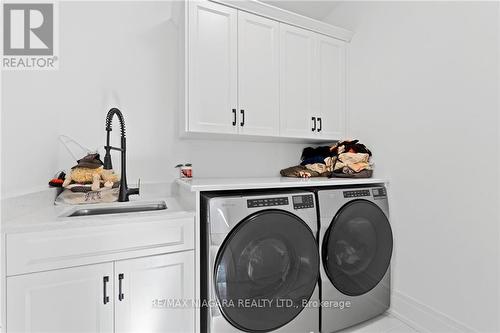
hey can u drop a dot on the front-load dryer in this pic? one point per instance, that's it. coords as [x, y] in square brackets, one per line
[260, 263]
[356, 246]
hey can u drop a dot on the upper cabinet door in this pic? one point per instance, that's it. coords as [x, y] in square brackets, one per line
[212, 67]
[78, 299]
[296, 79]
[149, 292]
[258, 74]
[329, 94]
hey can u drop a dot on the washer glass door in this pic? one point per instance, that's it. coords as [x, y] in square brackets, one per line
[357, 247]
[266, 271]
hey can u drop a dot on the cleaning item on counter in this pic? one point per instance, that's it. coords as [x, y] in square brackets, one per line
[77, 188]
[85, 188]
[185, 170]
[58, 180]
[103, 195]
[88, 182]
[89, 170]
[179, 166]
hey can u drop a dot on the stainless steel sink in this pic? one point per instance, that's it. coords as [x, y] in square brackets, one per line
[130, 208]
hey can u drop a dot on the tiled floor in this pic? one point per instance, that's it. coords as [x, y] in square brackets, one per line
[386, 323]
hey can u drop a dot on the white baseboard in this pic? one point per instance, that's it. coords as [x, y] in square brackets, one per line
[423, 318]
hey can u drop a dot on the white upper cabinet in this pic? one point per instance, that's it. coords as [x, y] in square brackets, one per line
[255, 75]
[213, 67]
[329, 87]
[296, 82]
[258, 74]
[312, 85]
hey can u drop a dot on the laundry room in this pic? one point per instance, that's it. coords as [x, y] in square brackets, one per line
[252, 166]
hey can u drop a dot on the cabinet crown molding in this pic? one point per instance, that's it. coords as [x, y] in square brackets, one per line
[285, 16]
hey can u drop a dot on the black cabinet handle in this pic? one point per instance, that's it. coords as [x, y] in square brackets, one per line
[320, 124]
[121, 296]
[234, 117]
[314, 122]
[105, 281]
[243, 118]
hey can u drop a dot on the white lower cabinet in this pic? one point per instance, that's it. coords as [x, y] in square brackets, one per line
[64, 300]
[124, 277]
[143, 295]
[155, 294]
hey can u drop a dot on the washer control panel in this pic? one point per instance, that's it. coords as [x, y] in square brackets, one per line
[267, 202]
[356, 193]
[303, 201]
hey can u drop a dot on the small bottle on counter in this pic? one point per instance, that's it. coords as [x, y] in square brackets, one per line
[185, 170]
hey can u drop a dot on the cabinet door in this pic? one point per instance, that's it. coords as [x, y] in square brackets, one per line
[212, 68]
[153, 290]
[258, 74]
[64, 300]
[297, 47]
[329, 87]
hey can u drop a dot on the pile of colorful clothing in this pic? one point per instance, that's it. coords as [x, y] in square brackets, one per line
[344, 159]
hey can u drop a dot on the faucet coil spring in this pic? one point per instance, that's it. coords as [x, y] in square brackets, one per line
[109, 119]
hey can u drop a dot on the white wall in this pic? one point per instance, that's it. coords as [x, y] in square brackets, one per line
[123, 54]
[423, 95]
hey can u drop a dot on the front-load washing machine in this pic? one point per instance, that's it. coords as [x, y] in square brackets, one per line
[259, 263]
[356, 246]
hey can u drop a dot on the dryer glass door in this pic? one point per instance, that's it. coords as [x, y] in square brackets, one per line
[266, 271]
[357, 247]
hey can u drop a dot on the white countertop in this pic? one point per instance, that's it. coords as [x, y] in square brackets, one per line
[55, 217]
[31, 215]
[224, 184]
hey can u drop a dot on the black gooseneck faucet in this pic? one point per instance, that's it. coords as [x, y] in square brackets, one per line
[125, 192]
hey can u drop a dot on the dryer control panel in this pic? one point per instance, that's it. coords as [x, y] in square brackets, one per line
[356, 193]
[379, 193]
[266, 202]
